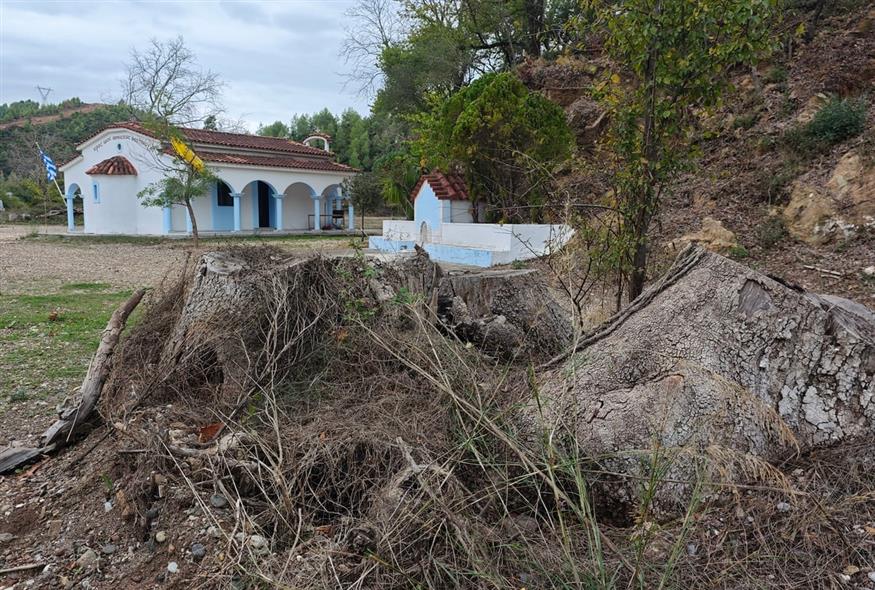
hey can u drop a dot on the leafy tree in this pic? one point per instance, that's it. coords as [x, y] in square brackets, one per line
[348, 119]
[275, 129]
[432, 60]
[365, 191]
[673, 58]
[398, 173]
[411, 47]
[505, 139]
[300, 127]
[167, 86]
[184, 178]
[325, 122]
[359, 153]
[211, 123]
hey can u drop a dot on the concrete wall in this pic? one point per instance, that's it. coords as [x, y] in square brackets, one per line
[476, 244]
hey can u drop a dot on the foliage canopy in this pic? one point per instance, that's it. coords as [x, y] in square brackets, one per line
[503, 138]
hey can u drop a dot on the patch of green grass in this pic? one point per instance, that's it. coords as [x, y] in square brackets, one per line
[776, 74]
[738, 252]
[46, 341]
[771, 231]
[86, 287]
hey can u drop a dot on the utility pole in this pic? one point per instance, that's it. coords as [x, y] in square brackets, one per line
[44, 93]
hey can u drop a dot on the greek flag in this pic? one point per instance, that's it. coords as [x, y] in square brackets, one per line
[51, 169]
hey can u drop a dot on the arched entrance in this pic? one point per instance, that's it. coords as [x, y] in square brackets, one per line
[264, 210]
[71, 200]
[424, 233]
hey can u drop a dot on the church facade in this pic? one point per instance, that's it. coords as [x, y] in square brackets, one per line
[265, 184]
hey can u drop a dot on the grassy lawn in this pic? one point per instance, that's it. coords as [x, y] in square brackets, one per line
[46, 341]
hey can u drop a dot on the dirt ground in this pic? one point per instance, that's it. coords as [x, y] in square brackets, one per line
[45, 263]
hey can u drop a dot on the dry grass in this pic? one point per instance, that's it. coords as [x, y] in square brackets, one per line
[374, 450]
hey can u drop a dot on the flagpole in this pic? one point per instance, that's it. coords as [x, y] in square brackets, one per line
[46, 199]
[55, 180]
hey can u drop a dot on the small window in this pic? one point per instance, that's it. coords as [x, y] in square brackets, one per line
[223, 195]
[96, 192]
[118, 146]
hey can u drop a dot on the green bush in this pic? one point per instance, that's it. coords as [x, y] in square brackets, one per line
[839, 120]
[771, 231]
[746, 121]
[738, 252]
[776, 75]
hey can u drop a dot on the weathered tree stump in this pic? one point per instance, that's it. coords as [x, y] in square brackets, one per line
[505, 312]
[716, 361]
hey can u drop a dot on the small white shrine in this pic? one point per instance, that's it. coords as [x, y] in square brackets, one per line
[444, 226]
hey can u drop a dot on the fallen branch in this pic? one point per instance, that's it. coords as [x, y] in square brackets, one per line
[61, 432]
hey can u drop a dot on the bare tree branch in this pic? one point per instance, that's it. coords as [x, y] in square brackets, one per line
[166, 82]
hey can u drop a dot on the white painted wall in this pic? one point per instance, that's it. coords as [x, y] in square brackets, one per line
[297, 206]
[505, 243]
[460, 212]
[120, 211]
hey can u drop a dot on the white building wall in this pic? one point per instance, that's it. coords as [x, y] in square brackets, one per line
[460, 212]
[125, 214]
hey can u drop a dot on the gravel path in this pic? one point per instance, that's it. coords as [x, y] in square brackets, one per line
[30, 266]
[42, 265]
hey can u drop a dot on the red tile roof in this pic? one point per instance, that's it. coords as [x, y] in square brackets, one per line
[449, 187]
[275, 162]
[114, 166]
[276, 152]
[232, 140]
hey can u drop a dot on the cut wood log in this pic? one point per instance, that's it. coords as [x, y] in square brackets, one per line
[62, 431]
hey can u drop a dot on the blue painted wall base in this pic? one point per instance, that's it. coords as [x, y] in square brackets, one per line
[440, 252]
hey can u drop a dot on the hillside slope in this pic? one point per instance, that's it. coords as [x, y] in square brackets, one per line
[804, 213]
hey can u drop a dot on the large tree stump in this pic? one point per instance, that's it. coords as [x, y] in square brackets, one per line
[717, 361]
[505, 312]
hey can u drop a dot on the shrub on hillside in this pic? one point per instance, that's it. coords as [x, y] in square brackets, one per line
[839, 120]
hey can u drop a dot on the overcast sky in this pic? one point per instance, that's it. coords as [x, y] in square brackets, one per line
[278, 57]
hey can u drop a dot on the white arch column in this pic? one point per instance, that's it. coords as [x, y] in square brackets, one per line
[278, 200]
[71, 222]
[236, 197]
[317, 210]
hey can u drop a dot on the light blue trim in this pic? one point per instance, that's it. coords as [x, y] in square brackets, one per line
[459, 255]
[387, 245]
[236, 197]
[440, 252]
[71, 223]
[254, 192]
[167, 220]
[278, 201]
[223, 217]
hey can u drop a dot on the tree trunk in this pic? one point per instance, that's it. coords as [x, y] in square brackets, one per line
[508, 313]
[194, 234]
[714, 364]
